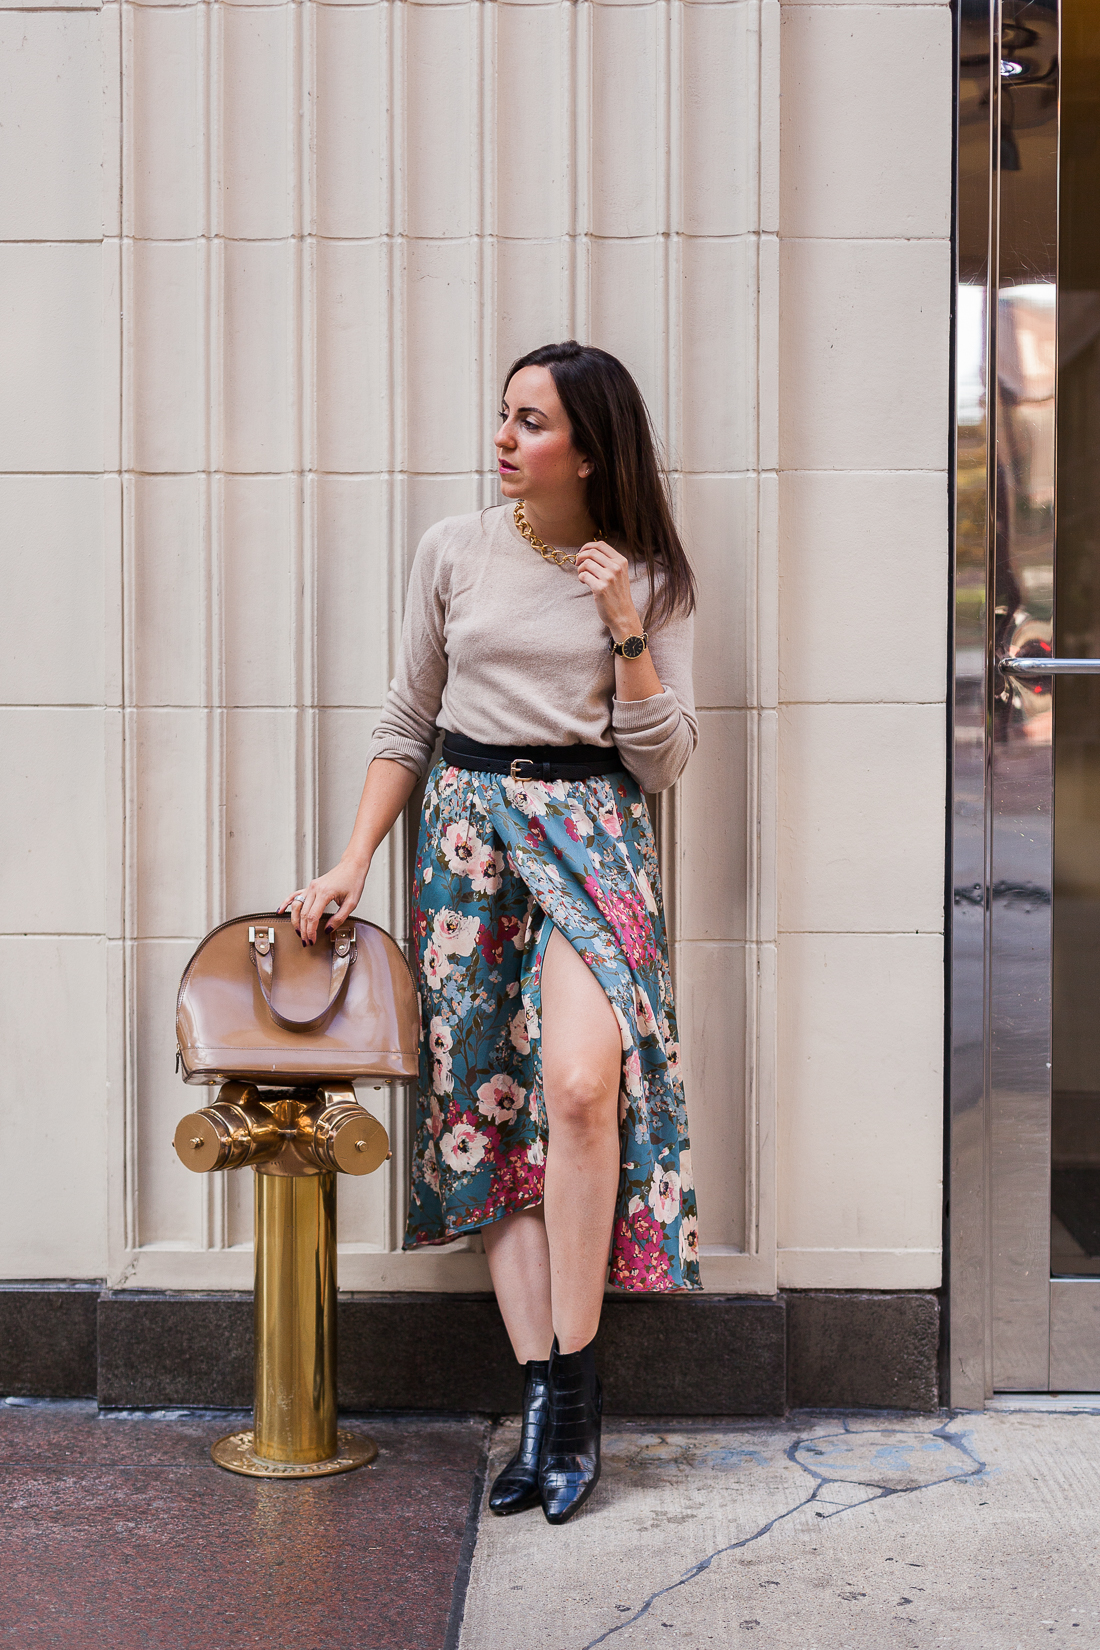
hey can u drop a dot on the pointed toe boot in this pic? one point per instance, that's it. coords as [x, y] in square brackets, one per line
[570, 1466]
[517, 1486]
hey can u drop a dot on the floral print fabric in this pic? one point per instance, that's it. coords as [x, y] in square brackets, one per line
[499, 863]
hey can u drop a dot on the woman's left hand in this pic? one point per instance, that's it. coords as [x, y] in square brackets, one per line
[607, 575]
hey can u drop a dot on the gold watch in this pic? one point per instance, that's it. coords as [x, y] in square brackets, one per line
[631, 647]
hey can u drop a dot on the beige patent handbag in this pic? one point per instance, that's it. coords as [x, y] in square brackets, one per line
[256, 1004]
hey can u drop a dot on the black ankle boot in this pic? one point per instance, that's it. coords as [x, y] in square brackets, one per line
[517, 1485]
[570, 1465]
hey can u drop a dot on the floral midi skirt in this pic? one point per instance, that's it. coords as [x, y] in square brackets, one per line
[500, 863]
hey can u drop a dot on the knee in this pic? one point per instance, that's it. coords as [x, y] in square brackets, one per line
[579, 1100]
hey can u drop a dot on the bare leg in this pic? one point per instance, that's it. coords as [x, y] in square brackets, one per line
[549, 1265]
[581, 1063]
[519, 1264]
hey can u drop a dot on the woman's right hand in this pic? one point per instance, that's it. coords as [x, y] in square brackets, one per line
[344, 884]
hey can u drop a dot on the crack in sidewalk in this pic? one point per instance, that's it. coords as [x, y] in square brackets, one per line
[881, 1493]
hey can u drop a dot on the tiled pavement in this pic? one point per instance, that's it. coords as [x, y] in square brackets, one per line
[119, 1533]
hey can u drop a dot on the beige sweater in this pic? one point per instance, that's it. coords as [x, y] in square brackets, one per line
[508, 649]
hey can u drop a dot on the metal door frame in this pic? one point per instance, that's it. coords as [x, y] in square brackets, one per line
[999, 1019]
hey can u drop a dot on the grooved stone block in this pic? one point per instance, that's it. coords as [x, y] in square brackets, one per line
[862, 1350]
[48, 1340]
[159, 1350]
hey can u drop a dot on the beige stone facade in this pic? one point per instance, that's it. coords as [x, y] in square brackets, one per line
[262, 267]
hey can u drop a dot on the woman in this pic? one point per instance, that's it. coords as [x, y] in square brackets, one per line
[551, 1113]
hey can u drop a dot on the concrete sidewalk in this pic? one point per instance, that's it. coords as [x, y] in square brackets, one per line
[824, 1532]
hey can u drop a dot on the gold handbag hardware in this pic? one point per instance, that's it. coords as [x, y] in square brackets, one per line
[257, 1006]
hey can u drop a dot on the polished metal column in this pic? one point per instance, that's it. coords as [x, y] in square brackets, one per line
[967, 1189]
[295, 1308]
[1001, 850]
[1023, 715]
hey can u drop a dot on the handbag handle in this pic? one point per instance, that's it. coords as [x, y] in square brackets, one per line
[261, 949]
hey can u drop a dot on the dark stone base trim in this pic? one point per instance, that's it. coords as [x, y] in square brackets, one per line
[862, 1351]
[48, 1339]
[160, 1351]
[684, 1355]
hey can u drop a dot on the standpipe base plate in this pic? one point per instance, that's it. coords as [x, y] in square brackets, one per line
[236, 1454]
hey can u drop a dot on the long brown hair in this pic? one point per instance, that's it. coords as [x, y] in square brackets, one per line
[627, 493]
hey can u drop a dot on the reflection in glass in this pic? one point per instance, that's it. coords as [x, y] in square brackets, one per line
[1075, 1132]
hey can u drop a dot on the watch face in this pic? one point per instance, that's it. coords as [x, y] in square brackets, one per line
[633, 647]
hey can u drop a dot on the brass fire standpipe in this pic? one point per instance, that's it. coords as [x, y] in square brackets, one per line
[296, 1140]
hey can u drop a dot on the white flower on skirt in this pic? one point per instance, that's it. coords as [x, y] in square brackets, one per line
[454, 933]
[436, 1119]
[533, 1029]
[463, 1148]
[664, 1194]
[635, 1206]
[687, 1179]
[439, 1035]
[517, 1031]
[461, 847]
[427, 875]
[646, 892]
[429, 1170]
[672, 1055]
[609, 819]
[535, 1152]
[442, 1081]
[581, 820]
[632, 1074]
[436, 964]
[487, 871]
[689, 1241]
[624, 1028]
[530, 796]
[647, 1024]
[501, 1098]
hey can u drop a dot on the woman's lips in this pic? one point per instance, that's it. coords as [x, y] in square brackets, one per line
[507, 469]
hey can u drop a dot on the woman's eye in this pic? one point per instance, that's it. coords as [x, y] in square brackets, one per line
[529, 424]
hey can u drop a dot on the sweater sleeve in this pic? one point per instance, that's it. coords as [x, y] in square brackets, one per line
[657, 736]
[406, 728]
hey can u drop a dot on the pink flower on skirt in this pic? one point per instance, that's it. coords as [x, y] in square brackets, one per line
[463, 1148]
[639, 1258]
[501, 1098]
[628, 917]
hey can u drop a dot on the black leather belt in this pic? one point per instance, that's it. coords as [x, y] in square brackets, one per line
[531, 761]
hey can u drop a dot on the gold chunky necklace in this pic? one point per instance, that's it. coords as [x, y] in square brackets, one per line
[546, 551]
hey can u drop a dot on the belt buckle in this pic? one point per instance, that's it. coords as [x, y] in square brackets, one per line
[521, 762]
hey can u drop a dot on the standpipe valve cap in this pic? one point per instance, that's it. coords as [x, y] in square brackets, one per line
[338, 1133]
[197, 1142]
[237, 1129]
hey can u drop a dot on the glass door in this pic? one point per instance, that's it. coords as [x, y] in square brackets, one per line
[1024, 1203]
